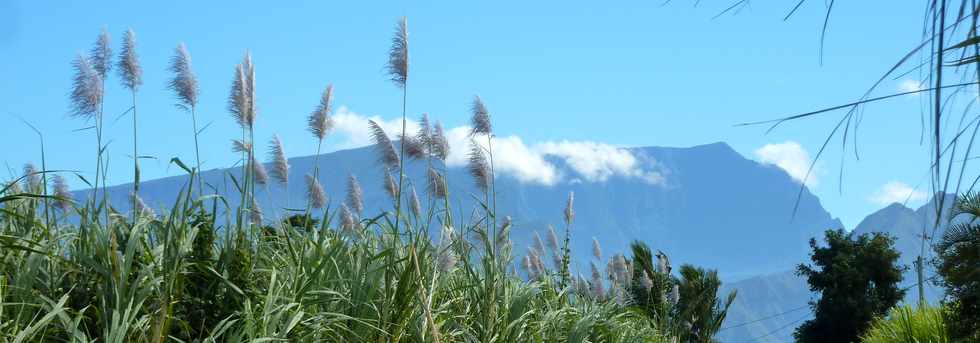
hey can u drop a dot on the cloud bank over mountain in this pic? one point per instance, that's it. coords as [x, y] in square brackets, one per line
[512, 156]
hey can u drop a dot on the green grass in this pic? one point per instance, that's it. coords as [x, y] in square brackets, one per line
[911, 325]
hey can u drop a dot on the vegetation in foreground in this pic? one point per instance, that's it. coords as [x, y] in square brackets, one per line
[206, 270]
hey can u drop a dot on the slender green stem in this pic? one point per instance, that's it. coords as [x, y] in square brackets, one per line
[401, 160]
[136, 162]
[197, 151]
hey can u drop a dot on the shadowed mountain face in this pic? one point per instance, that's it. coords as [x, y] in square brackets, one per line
[713, 208]
[778, 297]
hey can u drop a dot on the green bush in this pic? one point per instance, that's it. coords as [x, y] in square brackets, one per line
[905, 324]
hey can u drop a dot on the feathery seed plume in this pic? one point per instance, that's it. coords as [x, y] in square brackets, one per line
[447, 261]
[255, 213]
[526, 265]
[597, 287]
[259, 172]
[398, 55]
[436, 185]
[424, 136]
[129, 64]
[241, 101]
[391, 186]
[538, 243]
[62, 193]
[503, 234]
[620, 269]
[478, 166]
[645, 281]
[141, 209]
[184, 82]
[416, 205]
[596, 249]
[438, 143]
[552, 238]
[386, 149]
[320, 122]
[32, 180]
[314, 192]
[481, 118]
[675, 294]
[570, 209]
[238, 145]
[355, 196]
[347, 221]
[101, 54]
[414, 148]
[86, 92]
[280, 165]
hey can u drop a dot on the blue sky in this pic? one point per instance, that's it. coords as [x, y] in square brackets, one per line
[632, 73]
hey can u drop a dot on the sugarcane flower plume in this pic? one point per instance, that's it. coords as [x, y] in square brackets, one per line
[184, 81]
[481, 118]
[320, 123]
[415, 204]
[280, 165]
[398, 54]
[32, 178]
[255, 213]
[61, 193]
[436, 185]
[259, 173]
[347, 219]
[503, 233]
[552, 238]
[438, 144]
[675, 294]
[386, 149]
[414, 148]
[129, 64]
[538, 243]
[596, 249]
[645, 281]
[391, 186]
[355, 196]
[241, 101]
[570, 209]
[478, 167]
[86, 92]
[424, 136]
[140, 208]
[314, 192]
[240, 146]
[101, 54]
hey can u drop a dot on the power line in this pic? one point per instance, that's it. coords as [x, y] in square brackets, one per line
[776, 330]
[764, 318]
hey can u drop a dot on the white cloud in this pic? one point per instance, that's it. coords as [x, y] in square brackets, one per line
[596, 162]
[357, 131]
[593, 162]
[909, 86]
[896, 191]
[791, 157]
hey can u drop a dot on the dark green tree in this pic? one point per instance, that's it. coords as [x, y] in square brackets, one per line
[958, 265]
[857, 278]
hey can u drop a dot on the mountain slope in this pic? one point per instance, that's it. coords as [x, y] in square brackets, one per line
[713, 208]
[770, 303]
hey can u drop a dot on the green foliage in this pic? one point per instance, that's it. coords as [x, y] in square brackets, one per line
[857, 278]
[958, 264]
[905, 324]
[700, 312]
[688, 307]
